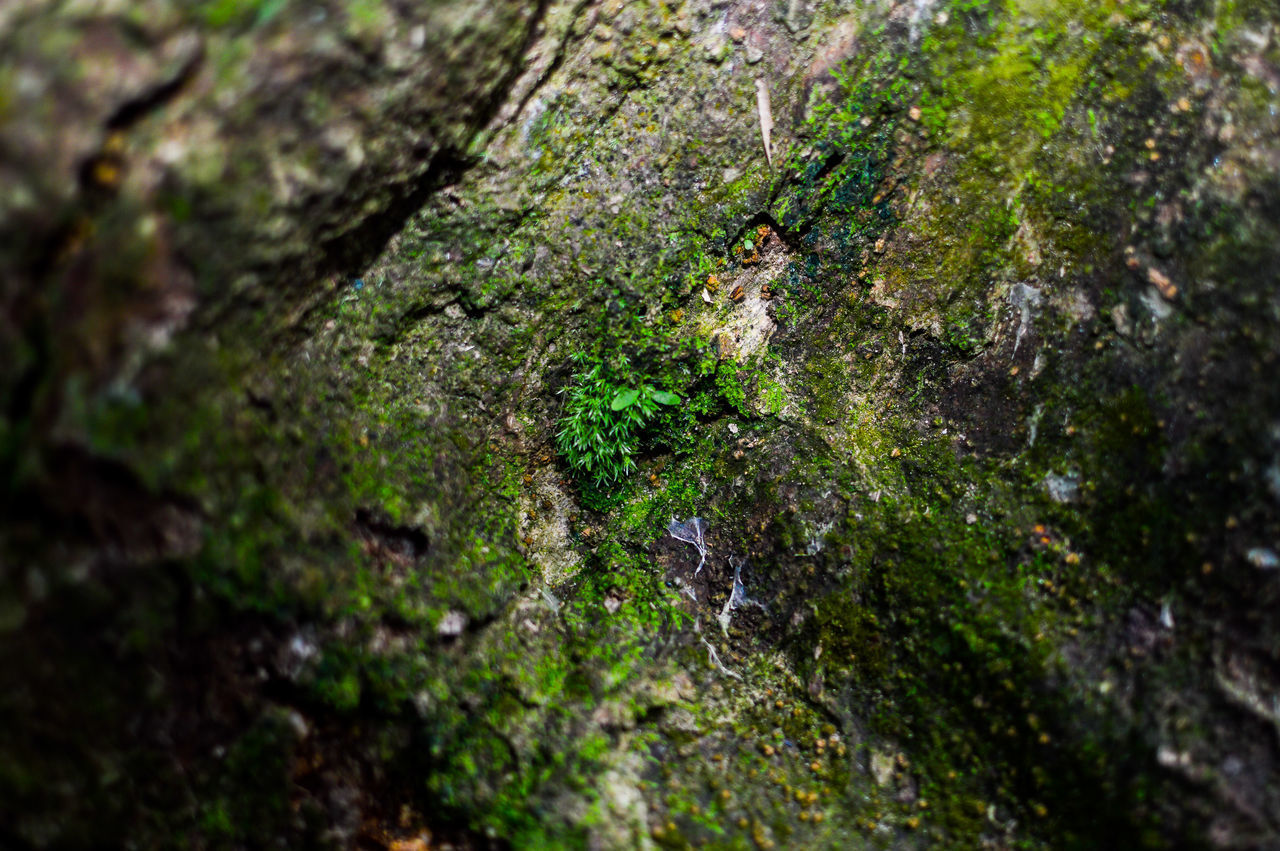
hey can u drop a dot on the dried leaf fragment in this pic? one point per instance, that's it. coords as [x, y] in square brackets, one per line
[766, 117]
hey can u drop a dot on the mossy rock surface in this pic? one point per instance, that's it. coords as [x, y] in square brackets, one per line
[974, 367]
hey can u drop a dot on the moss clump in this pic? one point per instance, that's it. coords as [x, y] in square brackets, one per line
[604, 416]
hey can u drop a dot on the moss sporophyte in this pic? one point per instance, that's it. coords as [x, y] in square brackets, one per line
[603, 419]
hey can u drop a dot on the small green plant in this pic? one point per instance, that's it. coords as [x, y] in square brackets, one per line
[603, 419]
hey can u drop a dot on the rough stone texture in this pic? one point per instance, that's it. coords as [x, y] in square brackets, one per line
[172, 165]
[986, 442]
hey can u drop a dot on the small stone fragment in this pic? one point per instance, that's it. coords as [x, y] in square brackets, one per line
[452, 624]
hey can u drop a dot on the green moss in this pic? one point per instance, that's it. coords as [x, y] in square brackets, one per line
[947, 629]
[240, 14]
[605, 412]
[249, 797]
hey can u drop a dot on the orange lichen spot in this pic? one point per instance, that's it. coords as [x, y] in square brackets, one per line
[416, 843]
[114, 144]
[1162, 283]
[106, 173]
